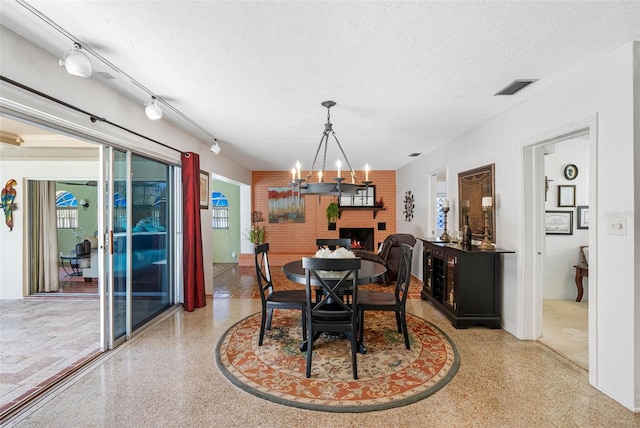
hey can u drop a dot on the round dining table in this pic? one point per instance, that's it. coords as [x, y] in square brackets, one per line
[369, 272]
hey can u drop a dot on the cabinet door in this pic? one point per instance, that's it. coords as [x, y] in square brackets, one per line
[428, 273]
[450, 288]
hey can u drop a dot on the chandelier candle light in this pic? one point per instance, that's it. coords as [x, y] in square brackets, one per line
[304, 186]
[487, 203]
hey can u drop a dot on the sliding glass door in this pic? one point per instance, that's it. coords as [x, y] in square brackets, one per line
[118, 193]
[140, 230]
[150, 233]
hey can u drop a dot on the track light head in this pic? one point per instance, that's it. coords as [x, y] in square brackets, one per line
[153, 110]
[76, 62]
[215, 148]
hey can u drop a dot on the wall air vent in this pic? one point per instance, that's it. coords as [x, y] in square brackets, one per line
[516, 86]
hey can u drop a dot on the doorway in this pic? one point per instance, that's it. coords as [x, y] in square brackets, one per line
[554, 198]
[55, 337]
[439, 195]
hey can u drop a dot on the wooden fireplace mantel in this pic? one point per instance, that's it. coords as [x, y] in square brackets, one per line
[374, 209]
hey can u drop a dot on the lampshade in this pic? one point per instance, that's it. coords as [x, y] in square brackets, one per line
[77, 63]
[153, 110]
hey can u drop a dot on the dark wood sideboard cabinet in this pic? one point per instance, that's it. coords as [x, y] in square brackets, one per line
[463, 282]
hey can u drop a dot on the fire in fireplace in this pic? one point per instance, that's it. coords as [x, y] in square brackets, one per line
[361, 237]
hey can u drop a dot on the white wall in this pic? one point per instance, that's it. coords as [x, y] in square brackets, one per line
[25, 63]
[604, 88]
[562, 251]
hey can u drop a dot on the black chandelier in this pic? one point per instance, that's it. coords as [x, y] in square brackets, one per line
[304, 186]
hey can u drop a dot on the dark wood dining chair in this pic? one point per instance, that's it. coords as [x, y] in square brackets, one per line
[387, 301]
[330, 313]
[272, 299]
[332, 244]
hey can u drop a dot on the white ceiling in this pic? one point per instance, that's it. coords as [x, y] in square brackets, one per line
[407, 76]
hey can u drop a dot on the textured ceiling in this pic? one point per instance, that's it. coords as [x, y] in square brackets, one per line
[407, 76]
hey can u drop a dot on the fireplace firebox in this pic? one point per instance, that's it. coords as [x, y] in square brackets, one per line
[361, 237]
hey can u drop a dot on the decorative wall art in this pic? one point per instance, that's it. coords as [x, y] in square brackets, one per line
[567, 196]
[8, 204]
[583, 217]
[204, 190]
[570, 172]
[285, 205]
[473, 185]
[408, 205]
[559, 222]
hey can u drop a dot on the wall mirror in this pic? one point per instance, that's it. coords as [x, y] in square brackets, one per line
[366, 197]
[473, 185]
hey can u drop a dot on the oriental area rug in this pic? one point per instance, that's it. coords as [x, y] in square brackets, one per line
[389, 375]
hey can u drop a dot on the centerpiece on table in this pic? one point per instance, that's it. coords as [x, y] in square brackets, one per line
[338, 253]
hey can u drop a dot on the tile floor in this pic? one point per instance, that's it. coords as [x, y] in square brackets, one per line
[167, 376]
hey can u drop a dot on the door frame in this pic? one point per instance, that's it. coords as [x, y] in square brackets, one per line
[533, 237]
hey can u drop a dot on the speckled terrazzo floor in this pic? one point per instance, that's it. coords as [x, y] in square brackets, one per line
[167, 376]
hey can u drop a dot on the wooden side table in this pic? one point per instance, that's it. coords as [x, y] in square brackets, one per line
[581, 271]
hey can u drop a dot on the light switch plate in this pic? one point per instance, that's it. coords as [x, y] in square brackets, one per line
[617, 225]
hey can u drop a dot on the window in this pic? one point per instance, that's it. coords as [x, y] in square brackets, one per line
[438, 196]
[67, 210]
[220, 210]
[439, 213]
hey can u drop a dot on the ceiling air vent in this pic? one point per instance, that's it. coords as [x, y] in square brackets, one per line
[516, 86]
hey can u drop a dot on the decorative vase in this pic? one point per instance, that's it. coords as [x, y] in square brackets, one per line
[87, 246]
[83, 248]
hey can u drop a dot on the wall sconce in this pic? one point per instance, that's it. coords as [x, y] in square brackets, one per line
[84, 203]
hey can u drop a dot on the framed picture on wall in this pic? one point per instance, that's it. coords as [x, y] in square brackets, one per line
[558, 222]
[567, 196]
[473, 185]
[285, 205]
[583, 217]
[204, 190]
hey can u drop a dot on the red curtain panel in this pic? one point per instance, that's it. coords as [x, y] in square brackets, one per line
[194, 293]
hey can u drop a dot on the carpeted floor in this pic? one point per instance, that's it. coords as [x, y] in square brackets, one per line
[565, 330]
[389, 375]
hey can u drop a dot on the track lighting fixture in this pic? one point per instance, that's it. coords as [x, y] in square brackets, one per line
[153, 110]
[76, 62]
[215, 148]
